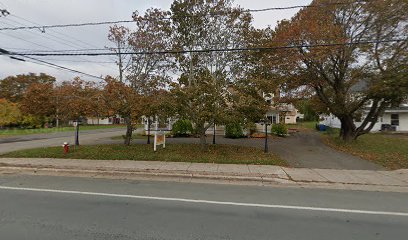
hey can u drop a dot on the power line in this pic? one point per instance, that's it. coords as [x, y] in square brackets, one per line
[69, 50]
[63, 68]
[216, 50]
[42, 62]
[78, 61]
[43, 27]
[62, 34]
[25, 40]
[304, 6]
[54, 38]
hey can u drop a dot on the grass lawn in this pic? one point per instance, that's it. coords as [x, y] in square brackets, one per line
[14, 132]
[173, 153]
[390, 151]
[134, 136]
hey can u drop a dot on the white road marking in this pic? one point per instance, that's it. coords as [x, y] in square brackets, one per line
[339, 210]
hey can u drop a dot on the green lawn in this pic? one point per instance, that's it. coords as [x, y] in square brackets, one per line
[390, 151]
[134, 136]
[14, 132]
[173, 153]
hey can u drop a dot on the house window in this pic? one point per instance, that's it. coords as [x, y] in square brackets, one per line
[394, 119]
[110, 120]
[274, 119]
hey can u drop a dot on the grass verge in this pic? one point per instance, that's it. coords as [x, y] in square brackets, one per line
[134, 136]
[172, 153]
[15, 132]
[390, 151]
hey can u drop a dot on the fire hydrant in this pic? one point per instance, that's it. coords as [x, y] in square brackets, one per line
[66, 147]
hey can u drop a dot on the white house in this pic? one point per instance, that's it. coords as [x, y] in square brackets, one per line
[105, 121]
[393, 119]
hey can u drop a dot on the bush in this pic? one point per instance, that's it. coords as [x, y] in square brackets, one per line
[233, 130]
[182, 128]
[30, 121]
[279, 129]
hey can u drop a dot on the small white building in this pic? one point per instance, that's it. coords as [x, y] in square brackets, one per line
[105, 121]
[393, 119]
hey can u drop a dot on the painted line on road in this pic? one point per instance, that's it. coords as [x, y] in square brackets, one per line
[339, 210]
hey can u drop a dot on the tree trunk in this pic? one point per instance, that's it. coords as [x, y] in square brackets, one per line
[348, 129]
[201, 128]
[129, 131]
[203, 140]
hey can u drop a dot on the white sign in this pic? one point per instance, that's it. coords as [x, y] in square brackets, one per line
[159, 139]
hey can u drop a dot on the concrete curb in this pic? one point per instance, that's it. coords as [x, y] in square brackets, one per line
[197, 177]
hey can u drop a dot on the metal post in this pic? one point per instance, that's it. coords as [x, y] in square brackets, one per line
[148, 130]
[77, 134]
[214, 134]
[266, 137]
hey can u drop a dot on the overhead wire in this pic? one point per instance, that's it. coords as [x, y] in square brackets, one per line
[83, 43]
[56, 39]
[62, 67]
[43, 27]
[216, 50]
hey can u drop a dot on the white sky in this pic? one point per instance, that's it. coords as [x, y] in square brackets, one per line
[50, 12]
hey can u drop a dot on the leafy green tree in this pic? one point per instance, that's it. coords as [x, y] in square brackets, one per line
[9, 113]
[182, 128]
[202, 92]
[306, 107]
[146, 74]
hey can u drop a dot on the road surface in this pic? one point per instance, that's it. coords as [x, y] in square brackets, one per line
[99, 136]
[40, 207]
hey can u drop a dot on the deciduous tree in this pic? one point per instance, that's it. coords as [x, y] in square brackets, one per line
[122, 100]
[9, 113]
[203, 87]
[349, 75]
[13, 88]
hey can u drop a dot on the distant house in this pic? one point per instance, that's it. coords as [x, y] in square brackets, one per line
[280, 112]
[393, 119]
[105, 121]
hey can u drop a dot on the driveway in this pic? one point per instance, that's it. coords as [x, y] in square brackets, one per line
[307, 150]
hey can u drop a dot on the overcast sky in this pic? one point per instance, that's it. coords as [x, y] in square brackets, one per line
[50, 12]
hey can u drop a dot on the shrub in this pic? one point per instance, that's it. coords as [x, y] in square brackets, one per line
[233, 130]
[30, 121]
[279, 129]
[182, 128]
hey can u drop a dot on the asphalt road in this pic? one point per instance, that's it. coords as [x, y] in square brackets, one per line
[39, 207]
[56, 134]
[100, 136]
